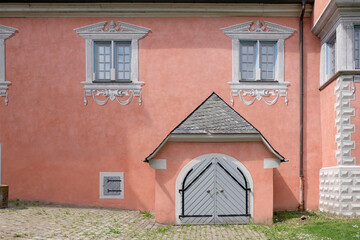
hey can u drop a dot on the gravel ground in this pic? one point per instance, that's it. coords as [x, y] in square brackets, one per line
[34, 220]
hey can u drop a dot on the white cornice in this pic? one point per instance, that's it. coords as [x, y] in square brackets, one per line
[329, 18]
[149, 10]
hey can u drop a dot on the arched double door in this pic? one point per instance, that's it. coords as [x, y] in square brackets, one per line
[215, 191]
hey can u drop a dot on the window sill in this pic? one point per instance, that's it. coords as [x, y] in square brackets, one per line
[3, 90]
[338, 74]
[269, 91]
[112, 91]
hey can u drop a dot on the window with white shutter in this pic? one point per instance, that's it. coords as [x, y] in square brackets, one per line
[112, 185]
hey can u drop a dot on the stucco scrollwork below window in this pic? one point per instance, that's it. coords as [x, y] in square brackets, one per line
[258, 61]
[5, 32]
[112, 61]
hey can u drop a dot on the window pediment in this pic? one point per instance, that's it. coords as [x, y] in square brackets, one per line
[249, 30]
[118, 31]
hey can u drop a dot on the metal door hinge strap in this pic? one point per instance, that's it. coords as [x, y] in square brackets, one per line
[202, 172]
[183, 216]
[234, 215]
[246, 189]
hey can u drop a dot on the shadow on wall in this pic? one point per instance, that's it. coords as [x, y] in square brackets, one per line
[283, 191]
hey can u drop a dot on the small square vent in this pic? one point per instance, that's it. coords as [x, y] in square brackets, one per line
[112, 185]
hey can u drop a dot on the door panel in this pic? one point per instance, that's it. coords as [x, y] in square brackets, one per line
[215, 192]
[231, 197]
[199, 198]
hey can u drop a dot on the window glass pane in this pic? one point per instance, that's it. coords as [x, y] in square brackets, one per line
[267, 60]
[123, 61]
[357, 46]
[102, 57]
[331, 61]
[247, 60]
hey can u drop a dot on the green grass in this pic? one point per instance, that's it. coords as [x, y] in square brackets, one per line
[114, 231]
[20, 235]
[316, 225]
[147, 214]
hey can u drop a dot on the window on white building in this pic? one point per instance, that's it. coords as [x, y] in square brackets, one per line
[331, 56]
[357, 46]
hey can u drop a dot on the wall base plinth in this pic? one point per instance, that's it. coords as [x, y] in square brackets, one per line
[340, 190]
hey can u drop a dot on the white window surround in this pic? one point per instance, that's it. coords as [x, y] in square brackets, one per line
[5, 32]
[258, 89]
[118, 31]
[102, 184]
[343, 30]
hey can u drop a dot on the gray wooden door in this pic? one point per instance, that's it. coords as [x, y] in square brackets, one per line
[215, 191]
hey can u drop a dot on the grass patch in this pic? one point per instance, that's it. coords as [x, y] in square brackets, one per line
[114, 231]
[310, 225]
[147, 214]
[20, 235]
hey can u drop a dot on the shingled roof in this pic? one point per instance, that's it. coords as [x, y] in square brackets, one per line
[214, 117]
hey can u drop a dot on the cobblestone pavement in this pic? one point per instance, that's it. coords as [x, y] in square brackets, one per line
[33, 220]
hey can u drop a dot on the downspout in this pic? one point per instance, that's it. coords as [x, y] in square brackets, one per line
[301, 176]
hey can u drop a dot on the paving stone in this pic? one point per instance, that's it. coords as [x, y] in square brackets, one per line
[50, 221]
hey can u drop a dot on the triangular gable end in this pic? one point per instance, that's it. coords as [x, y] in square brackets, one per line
[215, 121]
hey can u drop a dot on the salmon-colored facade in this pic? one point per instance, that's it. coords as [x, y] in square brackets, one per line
[53, 147]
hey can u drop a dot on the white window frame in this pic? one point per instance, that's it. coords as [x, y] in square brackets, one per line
[331, 56]
[356, 28]
[113, 61]
[5, 32]
[118, 31]
[259, 89]
[112, 174]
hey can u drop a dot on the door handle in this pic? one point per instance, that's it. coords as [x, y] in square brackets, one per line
[208, 191]
[221, 190]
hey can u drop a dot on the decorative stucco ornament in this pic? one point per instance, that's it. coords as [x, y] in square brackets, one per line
[114, 95]
[112, 27]
[258, 27]
[259, 94]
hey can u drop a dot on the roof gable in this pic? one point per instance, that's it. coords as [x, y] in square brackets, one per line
[214, 116]
[215, 121]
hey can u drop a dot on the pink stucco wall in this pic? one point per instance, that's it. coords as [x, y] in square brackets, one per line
[319, 6]
[312, 121]
[328, 128]
[251, 154]
[356, 121]
[53, 147]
